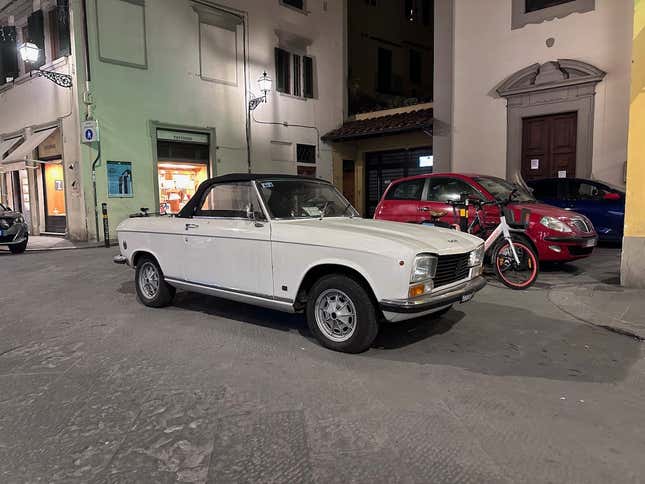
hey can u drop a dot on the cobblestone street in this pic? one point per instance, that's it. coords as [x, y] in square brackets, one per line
[513, 387]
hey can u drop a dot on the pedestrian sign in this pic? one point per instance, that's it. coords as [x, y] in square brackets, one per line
[90, 131]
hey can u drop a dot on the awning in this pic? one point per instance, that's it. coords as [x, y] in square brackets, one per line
[23, 152]
[7, 144]
[417, 120]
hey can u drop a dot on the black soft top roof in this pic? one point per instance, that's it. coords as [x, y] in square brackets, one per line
[189, 208]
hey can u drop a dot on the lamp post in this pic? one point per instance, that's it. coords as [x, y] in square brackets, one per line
[264, 84]
[30, 53]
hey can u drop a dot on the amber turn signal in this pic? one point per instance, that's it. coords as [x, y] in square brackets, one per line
[416, 290]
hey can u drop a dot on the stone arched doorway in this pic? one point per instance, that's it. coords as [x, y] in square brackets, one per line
[552, 88]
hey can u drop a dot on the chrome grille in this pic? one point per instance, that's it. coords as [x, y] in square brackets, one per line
[581, 225]
[451, 268]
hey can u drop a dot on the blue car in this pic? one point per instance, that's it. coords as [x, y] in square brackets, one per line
[600, 202]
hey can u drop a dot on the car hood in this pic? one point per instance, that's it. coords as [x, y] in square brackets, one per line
[374, 236]
[544, 210]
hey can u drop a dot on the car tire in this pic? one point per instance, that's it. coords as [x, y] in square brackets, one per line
[19, 248]
[341, 314]
[152, 289]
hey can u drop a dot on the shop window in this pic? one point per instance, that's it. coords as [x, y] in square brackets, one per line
[182, 167]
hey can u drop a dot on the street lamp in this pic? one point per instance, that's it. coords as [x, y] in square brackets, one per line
[30, 53]
[264, 84]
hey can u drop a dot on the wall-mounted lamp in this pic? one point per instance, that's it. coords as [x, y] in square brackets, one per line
[264, 84]
[30, 53]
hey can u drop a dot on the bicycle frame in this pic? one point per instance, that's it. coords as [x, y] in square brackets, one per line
[504, 230]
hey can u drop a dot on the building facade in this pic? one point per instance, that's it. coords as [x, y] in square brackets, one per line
[169, 84]
[526, 68]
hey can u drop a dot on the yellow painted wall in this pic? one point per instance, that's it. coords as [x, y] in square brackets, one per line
[635, 209]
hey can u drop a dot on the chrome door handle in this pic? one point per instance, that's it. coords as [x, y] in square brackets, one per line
[191, 226]
[424, 209]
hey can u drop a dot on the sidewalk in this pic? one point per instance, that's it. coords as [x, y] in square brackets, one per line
[594, 295]
[46, 242]
[612, 307]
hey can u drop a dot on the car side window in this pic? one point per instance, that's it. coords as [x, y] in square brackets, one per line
[231, 200]
[449, 189]
[587, 191]
[407, 190]
[545, 189]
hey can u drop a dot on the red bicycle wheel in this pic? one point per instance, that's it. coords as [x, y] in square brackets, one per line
[509, 272]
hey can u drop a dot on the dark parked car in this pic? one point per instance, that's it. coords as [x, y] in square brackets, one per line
[14, 232]
[600, 202]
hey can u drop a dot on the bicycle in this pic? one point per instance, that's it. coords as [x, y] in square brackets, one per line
[514, 261]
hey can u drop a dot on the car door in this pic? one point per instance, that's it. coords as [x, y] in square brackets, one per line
[441, 191]
[401, 201]
[223, 247]
[550, 191]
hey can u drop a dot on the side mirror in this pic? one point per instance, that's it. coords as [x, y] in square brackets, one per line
[612, 196]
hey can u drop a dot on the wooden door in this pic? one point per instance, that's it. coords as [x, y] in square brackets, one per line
[349, 181]
[549, 146]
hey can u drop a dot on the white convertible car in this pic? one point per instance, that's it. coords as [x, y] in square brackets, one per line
[295, 244]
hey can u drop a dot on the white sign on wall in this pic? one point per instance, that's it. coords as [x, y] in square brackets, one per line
[90, 131]
[535, 164]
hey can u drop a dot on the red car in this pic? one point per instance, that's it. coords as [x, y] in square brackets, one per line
[558, 235]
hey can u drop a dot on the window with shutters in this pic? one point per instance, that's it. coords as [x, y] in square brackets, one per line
[8, 55]
[294, 73]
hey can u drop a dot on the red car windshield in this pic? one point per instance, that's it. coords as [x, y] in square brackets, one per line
[501, 189]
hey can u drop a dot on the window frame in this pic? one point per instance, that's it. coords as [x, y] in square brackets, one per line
[259, 210]
[422, 191]
[297, 76]
[520, 17]
[302, 10]
[430, 180]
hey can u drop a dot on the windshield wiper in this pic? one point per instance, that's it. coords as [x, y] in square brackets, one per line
[323, 211]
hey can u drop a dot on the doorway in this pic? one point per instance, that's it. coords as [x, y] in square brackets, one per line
[54, 196]
[549, 146]
[349, 182]
[383, 167]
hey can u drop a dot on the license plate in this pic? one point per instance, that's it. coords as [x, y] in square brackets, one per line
[466, 297]
[590, 243]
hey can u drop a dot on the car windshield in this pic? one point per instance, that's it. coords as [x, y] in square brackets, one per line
[296, 198]
[501, 190]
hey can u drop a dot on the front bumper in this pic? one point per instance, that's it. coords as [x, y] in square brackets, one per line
[435, 300]
[558, 248]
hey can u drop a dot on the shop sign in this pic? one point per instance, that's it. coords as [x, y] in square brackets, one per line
[182, 136]
[52, 146]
